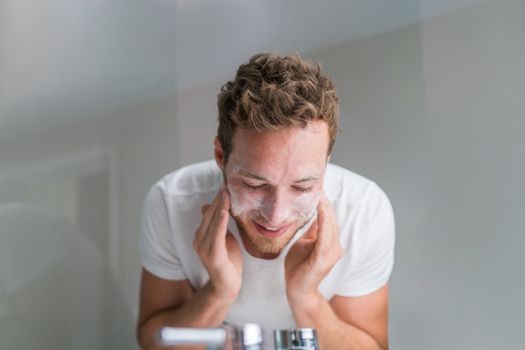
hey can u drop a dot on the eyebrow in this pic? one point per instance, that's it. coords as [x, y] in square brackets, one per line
[262, 178]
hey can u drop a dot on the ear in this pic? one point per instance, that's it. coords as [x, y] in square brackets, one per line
[219, 153]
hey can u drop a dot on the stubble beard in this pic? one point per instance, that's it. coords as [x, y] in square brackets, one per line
[265, 245]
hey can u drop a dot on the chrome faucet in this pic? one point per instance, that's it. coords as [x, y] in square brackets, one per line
[247, 337]
[296, 339]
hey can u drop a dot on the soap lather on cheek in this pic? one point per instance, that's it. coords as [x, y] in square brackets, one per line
[306, 204]
[300, 207]
[242, 203]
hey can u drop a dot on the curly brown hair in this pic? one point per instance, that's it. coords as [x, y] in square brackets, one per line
[272, 92]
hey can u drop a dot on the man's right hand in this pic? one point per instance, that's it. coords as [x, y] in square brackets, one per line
[176, 303]
[218, 249]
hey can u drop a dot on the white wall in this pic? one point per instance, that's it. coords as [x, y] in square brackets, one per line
[196, 112]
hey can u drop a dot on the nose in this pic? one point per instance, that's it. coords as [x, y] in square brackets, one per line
[275, 209]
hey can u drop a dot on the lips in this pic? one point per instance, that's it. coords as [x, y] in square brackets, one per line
[269, 231]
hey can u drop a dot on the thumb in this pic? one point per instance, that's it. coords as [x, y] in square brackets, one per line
[311, 233]
[231, 242]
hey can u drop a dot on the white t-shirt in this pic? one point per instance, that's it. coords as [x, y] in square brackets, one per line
[172, 213]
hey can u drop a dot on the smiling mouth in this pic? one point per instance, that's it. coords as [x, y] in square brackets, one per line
[269, 231]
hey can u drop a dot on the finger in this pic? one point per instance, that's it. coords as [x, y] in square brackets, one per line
[215, 240]
[326, 222]
[222, 219]
[219, 206]
[231, 243]
[311, 233]
[201, 229]
[226, 201]
[221, 230]
[208, 212]
[218, 224]
[332, 239]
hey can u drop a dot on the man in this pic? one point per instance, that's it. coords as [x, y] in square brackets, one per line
[285, 239]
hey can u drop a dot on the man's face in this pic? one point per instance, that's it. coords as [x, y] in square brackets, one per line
[275, 179]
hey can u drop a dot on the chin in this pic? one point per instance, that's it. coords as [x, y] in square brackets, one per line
[268, 247]
[263, 244]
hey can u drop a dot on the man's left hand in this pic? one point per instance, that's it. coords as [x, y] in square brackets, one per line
[312, 257]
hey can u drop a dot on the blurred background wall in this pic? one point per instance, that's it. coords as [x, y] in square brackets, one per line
[98, 100]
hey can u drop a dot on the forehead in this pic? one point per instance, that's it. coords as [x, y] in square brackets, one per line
[315, 133]
[287, 152]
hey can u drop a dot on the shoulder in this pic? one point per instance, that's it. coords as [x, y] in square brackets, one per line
[343, 185]
[366, 224]
[348, 190]
[199, 180]
[192, 179]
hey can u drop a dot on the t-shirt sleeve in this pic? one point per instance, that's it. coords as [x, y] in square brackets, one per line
[157, 249]
[375, 254]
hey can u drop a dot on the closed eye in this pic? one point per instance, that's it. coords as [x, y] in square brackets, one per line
[255, 187]
[303, 189]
